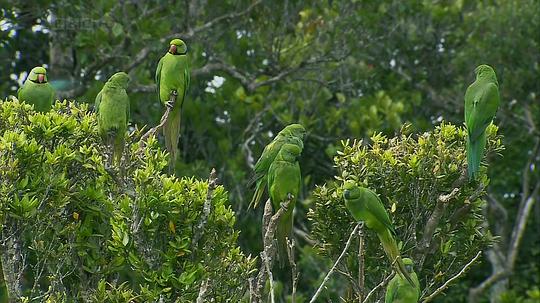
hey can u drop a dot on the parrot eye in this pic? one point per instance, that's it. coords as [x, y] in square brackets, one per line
[347, 194]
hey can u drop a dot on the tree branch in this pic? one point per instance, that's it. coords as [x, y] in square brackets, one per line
[269, 249]
[294, 271]
[432, 224]
[361, 262]
[383, 282]
[235, 15]
[447, 283]
[327, 277]
[153, 130]
[212, 184]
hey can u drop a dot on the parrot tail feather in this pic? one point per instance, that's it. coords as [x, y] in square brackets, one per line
[475, 151]
[171, 132]
[259, 191]
[392, 252]
[283, 231]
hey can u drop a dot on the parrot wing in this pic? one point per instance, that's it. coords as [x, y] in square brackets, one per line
[97, 102]
[483, 110]
[375, 206]
[158, 76]
[391, 290]
[127, 110]
[187, 79]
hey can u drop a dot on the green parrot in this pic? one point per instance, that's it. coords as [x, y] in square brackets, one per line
[365, 205]
[37, 91]
[481, 103]
[292, 134]
[173, 77]
[284, 179]
[399, 290]
[112, 108]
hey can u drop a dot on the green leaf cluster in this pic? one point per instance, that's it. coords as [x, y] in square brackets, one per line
[84, 230]
[411, 173]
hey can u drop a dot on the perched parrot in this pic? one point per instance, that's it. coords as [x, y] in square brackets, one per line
[292, 134]
[284, 179]
[481, 103]
[173, 77]
[365, 205]
[399, 290]
[36, 90]
[112, 108]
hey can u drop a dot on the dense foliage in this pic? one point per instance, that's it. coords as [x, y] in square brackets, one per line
[436, 211]
[80, 230]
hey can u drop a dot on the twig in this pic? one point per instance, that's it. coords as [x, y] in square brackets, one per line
[212, 184]
[268, 246]
[294, 272]
[202, 291]
[266, 261]
[455, 277]
[164, 119]
[327, 277]
[432, 223]
[361, 262]
[383, 282]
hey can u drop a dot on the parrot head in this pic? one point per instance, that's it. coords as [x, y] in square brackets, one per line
[290, 152]
[177, 47]
[352, 196]
[408, 264]
[351, 191]
[120, 79]
[38, 74]
[485, 71]
[295, 130]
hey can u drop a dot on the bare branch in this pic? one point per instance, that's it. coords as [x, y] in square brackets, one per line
[361, 262]
[327, 277]
[202, 291]
[269, 249]
[192, 32]
[212, 184]
[432, 224]
[294, 271]
[447, 283]
[153, 130]
[383, 282]
[266, 261]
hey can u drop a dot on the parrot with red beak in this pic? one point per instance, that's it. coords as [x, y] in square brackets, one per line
[36, 90]
[172, 78]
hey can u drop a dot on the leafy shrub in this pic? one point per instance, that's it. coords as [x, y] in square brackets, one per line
[421, 180]
[74, 229]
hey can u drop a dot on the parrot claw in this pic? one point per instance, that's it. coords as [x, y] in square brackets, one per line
[290, 196]
[169, 104]
[284, 206]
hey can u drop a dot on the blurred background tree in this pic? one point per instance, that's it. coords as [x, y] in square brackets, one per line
[344, 69]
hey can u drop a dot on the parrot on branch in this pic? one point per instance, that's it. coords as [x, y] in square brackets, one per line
[172, 78]
[112, 109]
[36, 90]
[284, 182]
[399, 290]
[364, 205]
[291, 134]
[481, 103]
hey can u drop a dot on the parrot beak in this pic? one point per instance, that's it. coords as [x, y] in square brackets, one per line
[41, 78]
[172, 49]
